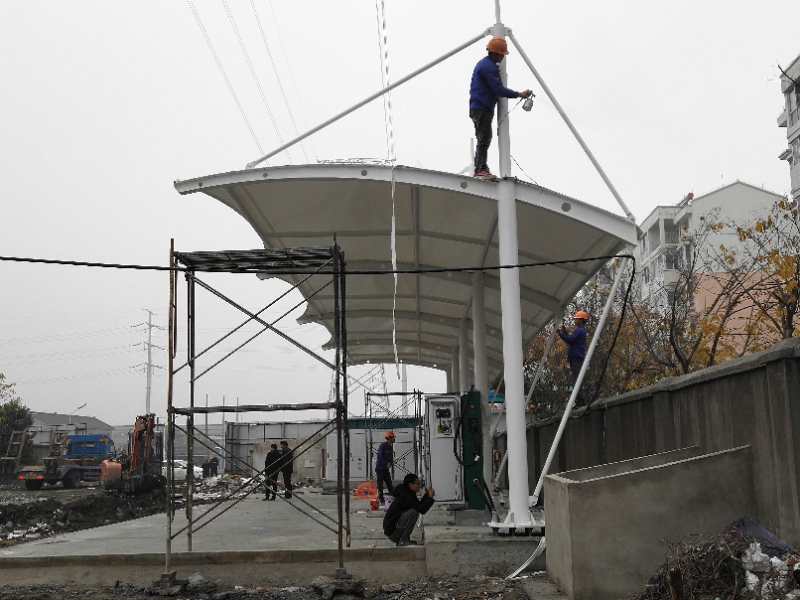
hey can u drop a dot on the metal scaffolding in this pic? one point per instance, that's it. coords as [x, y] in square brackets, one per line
[301, 264]
[378, 415]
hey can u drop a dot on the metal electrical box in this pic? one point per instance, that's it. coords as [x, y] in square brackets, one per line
[471, 448]
[442, 470]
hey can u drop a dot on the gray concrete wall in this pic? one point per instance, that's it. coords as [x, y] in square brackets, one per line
[754, 400]
[607, 527]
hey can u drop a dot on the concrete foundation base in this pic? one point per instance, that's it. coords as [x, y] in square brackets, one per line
[381, 565]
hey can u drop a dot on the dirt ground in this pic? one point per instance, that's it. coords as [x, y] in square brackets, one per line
[475, 588]
[27, 515]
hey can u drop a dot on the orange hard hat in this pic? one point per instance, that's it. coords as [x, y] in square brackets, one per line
[389, 435]
[582, 314]
[497, 45]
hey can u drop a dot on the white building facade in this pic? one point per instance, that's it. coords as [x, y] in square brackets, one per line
[790, 119]
[666, 233]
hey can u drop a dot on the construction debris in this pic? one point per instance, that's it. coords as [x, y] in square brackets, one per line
[746, 561]
[49, 516]
[198, 587]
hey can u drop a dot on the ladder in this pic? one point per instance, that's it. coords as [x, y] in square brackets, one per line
[9, 463]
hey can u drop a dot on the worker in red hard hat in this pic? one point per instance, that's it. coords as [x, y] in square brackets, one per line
[485, 88]
[383, 466]
[576, 342]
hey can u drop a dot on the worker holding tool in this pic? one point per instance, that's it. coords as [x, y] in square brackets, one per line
[485, 88]
[576, 343]
[271, 468]
[287, 467]
[383, 465]
[402, 516]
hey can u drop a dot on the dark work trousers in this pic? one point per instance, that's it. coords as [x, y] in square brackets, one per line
[383, 476]
[482, 119]
[405, 526]
[575, 369]
[271, 485]
[287, 483]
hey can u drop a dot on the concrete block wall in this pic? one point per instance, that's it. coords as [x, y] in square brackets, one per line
[607, 526]
[752, 401]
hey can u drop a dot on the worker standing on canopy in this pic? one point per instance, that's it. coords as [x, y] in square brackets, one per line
[576, 343]
[383, 465]
[485, 88]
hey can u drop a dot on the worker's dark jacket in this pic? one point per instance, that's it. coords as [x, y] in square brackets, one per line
[287, 460]
[576, 342]
[385, 457]
[404, 499]
[272, 462]
[486, 86]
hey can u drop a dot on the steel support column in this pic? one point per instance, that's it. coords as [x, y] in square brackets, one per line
[481, 368]
[519, 516]
[464, 378]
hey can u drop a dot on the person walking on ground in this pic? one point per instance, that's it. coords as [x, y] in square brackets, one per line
[287, 466]
[576, 344]
[383, 465]
[402, 516]
[485, 88]
[271, 468]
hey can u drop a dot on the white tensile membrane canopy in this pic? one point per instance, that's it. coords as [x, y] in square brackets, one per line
[443, 221]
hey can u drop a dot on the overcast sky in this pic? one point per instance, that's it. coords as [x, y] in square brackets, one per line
[105, 103]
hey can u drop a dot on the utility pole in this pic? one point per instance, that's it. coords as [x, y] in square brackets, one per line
[149, 366]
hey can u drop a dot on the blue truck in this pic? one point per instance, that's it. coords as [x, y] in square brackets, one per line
[77, 459]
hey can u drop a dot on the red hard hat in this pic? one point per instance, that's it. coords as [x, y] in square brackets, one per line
[582, 314]
[389, 435]
[497, 45]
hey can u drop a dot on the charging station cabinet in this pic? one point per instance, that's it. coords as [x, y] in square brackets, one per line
[453, 448]
[442, 470]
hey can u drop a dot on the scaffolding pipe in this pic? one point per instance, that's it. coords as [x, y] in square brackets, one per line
[572, 128]
[367, 100]
[534, 499]
[170, 431]
[190, 312]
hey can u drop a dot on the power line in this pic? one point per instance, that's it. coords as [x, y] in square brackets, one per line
[285, 57]
[251, 67]
[277, 76]
[222, 71]
[414, 271]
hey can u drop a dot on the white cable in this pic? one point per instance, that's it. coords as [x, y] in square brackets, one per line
[277, 76]
[222, 71]
[392, 157]
[251, 67]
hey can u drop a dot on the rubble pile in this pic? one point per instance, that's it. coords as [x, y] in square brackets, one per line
[49, 516]
[746, 561]
[198, 587]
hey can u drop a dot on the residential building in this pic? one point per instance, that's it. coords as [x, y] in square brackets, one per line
[666, 233]
[790, 119]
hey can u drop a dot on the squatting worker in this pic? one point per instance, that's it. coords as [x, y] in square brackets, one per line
[576, 343]
[383, 465]
[401, 518]
[484, 90]
[271, 468]
[287, 467]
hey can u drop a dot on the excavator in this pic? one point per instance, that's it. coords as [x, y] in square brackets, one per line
[139, 469]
